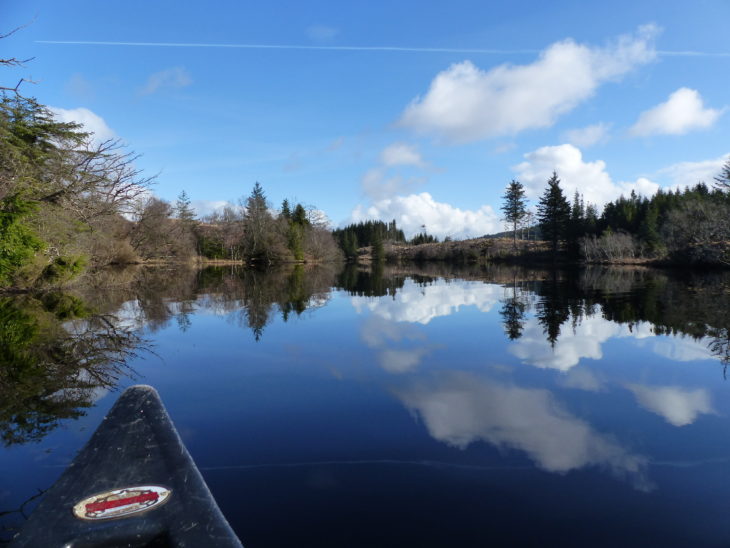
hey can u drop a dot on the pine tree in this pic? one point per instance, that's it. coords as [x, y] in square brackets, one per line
[285, 209]
[515, 206]
[722, 181]
[553, 213]
[378, 248]
[183, 209]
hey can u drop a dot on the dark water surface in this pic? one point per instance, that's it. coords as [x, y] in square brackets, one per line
[397, 408]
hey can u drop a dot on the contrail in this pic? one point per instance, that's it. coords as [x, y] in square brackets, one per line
[405, 49]
[290, 47]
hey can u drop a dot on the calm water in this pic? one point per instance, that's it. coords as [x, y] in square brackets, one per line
[397, 408]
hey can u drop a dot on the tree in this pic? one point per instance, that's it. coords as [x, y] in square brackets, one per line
[183, 209]
[722, 181]
[515, 206]
[285, 209]
[553, 213]
[378, 252]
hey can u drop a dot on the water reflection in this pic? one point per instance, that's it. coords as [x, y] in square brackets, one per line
[407, 388]
[59, 353]
[677, 405]
[57, 357]
[460, 409]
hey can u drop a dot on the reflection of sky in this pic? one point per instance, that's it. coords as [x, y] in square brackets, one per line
[682, 348]
[461, 409]
[678, 406]
[421, 304]
[573, 344]
[388, 338]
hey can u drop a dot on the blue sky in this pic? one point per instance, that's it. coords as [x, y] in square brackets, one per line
[417, 111]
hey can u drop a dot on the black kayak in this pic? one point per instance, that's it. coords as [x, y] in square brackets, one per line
[133, 484]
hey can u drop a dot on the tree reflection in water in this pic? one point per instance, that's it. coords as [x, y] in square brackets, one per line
[56, 356]
[59, 351]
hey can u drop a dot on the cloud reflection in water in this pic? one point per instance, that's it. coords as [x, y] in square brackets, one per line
[460, 409]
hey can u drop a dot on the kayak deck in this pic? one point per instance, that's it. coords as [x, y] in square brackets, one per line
[133, 484]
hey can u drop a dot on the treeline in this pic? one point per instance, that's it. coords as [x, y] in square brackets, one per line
[63, 197]
[251, 232]
[367, 233]
[68, 202]
[690, 226]
[375, 234]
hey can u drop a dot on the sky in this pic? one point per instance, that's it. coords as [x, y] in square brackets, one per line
[416, 111]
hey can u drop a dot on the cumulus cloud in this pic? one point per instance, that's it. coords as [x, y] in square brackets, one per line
[683, 112]
[413, 211]
[385, 180]
[588, 136]
[401, 154]
[461, 409]
[589, 178]
[684, 174]
[414, 303]
[378, 184]
[171, 78]
[207, 207]
[678, 406]
[91, 122]
[465, 103]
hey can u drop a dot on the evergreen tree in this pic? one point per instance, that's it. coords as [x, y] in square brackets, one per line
[378, 249]
[285, 209]
[183, 209]
[515, 206]
[257, 225]
[722, 181]
[299, 216]
[553, 213]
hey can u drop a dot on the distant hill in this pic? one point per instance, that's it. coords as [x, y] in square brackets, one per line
[534, 231]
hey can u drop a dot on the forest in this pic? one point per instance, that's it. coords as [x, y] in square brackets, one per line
[684, 226]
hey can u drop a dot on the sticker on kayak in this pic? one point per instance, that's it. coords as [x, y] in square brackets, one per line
[120, 503]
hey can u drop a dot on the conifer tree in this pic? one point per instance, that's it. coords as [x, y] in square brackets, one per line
[285, 209]
[515, 206]
[553, 213]
[183, 209]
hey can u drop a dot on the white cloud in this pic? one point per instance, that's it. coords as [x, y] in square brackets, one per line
[462, 409]
[684, 174]
[383, 182]
[401, 154]
[683, 112]
[172, 78]
[91, 122]
[589, 178]
[416, 304]
[588, 136]
[377, 184]
[206, 207]
[441, 219]
[465, 103]
[678, 406]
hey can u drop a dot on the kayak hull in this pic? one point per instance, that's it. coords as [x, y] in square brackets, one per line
[133, 484]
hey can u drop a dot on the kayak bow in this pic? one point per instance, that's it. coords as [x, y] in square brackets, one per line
[133, 484]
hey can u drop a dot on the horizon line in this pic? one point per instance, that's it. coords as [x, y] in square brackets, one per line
[405, 49]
